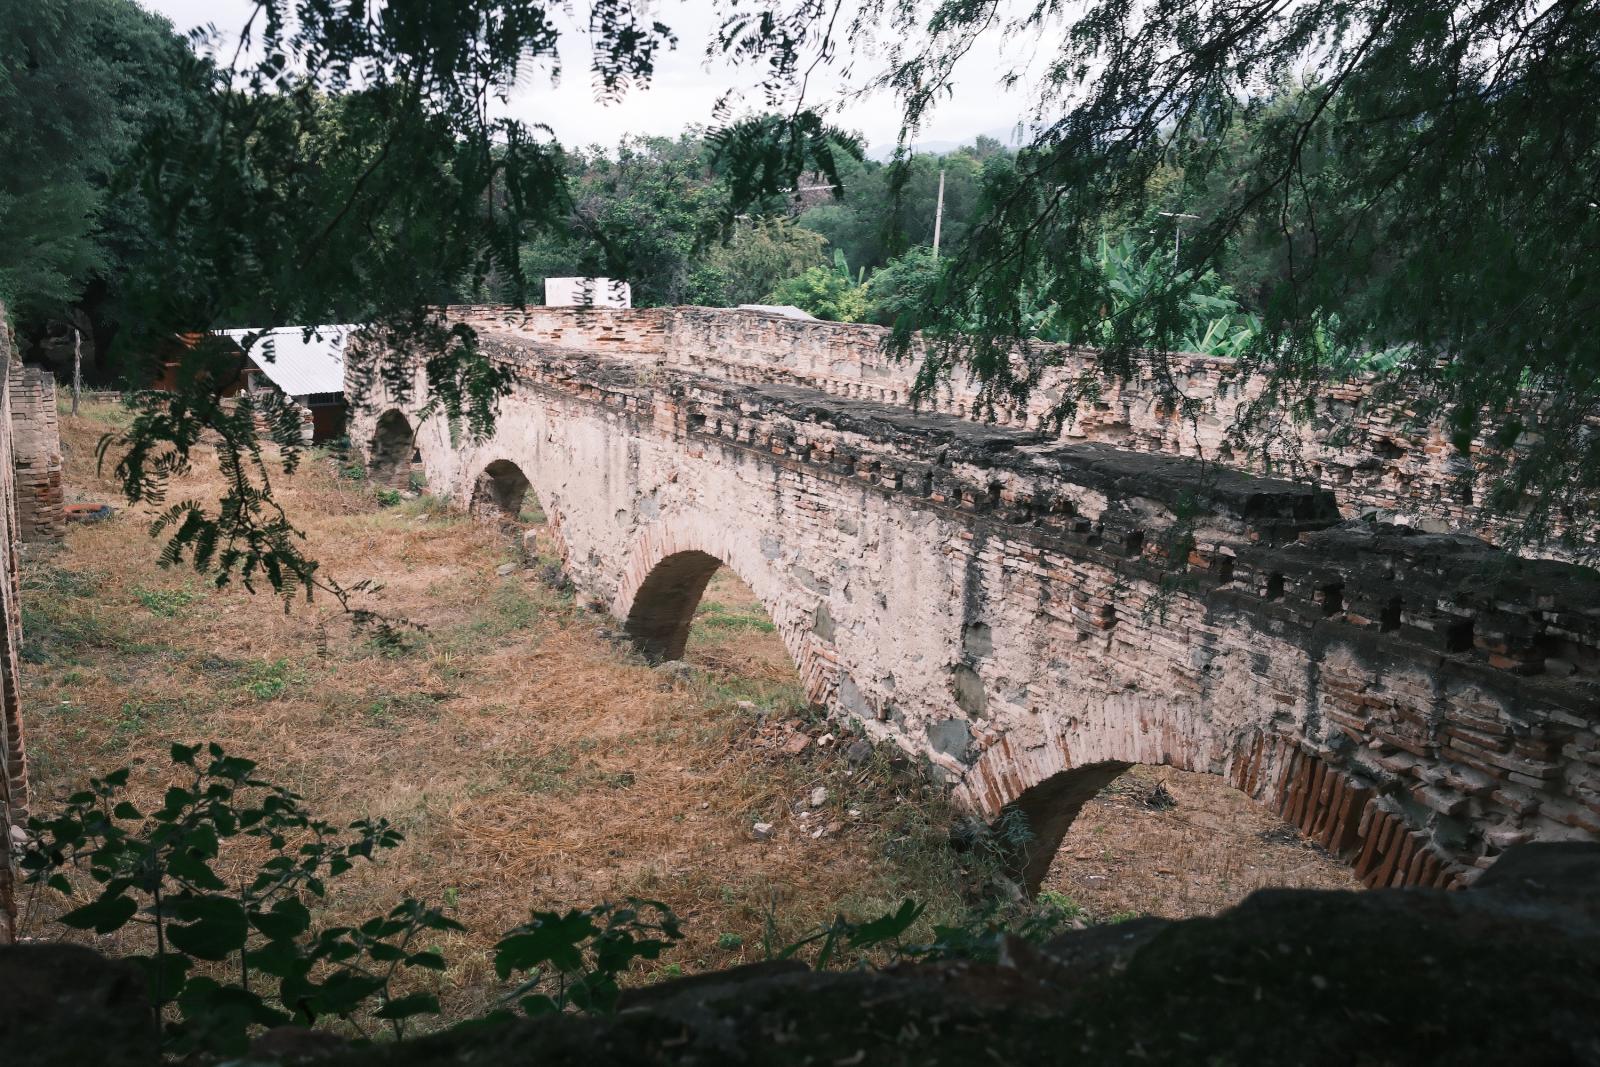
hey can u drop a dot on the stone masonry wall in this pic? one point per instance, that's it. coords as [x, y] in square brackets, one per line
[1375, 459]
[1027, 614]
[36, 454]
[13, 764]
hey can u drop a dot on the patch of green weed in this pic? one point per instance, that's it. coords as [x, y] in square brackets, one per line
[270, 679]
[716, 617]
[166, 603]
[387, 709]
[509, 608]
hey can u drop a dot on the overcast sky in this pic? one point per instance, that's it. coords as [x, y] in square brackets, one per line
[684, 91]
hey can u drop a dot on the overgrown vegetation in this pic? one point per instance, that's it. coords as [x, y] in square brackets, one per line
[1370, 177]
[488, 777]
[226, 955]
[163, 869]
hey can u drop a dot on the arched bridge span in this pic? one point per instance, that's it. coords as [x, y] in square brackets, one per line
[1031, 615]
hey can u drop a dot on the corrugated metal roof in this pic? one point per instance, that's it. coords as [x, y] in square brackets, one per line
[297, 364]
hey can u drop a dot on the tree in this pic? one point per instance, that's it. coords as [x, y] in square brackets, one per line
[1428, 189]
[899, 288]
[646, 213]
[827, 293]
[886, 210]
[77, 82]
[759, 254]
[345, 165]
[657, 212]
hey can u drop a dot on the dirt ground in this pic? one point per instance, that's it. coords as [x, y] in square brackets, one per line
[530, 757]
[1196, 847]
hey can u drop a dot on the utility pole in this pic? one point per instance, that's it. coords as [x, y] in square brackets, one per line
[77, 367]
[938, 215]
[1177, 240]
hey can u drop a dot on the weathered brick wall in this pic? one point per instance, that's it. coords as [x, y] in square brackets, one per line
[1031, 616]
[13, 765]
[1374, 458]
[36, 453]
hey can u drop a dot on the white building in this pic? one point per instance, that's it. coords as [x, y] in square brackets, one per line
[307, 369]
[587, 292]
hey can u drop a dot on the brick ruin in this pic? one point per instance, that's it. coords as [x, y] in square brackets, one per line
[31, 509]
[36, 453]
[1031, 613]
[1374, 458]
[13, 764]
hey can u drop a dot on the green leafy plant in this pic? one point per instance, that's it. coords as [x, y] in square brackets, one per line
[826, 292]
[573, 960]
[230, 954]
[164, 602]
[980, 936]
[388, 498]
[884, 932]
[268, 679]
[226, 956]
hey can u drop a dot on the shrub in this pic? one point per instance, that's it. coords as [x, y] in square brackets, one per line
[230, 954]
[901, 287]
[574, 960]
[826, 293]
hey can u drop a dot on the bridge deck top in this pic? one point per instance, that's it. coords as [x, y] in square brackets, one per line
[1269, 539]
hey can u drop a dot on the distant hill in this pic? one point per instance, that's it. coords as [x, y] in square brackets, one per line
[1006, 135]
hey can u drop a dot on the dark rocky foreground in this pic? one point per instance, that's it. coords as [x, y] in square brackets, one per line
[1506, 972]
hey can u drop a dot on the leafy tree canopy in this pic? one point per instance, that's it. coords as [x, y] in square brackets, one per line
[826, 292]
[345, 164]
[1395, 175]
[79, 82]
[660, 213]
[1407, 175]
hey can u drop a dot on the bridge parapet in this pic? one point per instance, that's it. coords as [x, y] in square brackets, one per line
[1371, 453]
[1277, 541]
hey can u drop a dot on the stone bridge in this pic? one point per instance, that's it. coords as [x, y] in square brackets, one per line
[1032, 613]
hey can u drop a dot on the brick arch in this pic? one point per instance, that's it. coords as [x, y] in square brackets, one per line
[1049, 786]
[394, 442]
[667, 573]
[500, 491]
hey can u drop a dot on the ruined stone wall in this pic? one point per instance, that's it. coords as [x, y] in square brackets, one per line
[13, 764]
[36, 453]
[1023, 613]
[1374, 458]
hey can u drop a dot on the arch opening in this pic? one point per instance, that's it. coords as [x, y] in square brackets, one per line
[663, 608]
[502, 491]
[693, 607]
[393, 451]
[1119, 838]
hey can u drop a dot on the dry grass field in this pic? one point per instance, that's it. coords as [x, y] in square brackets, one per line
[1128, 853]
[530, 758]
